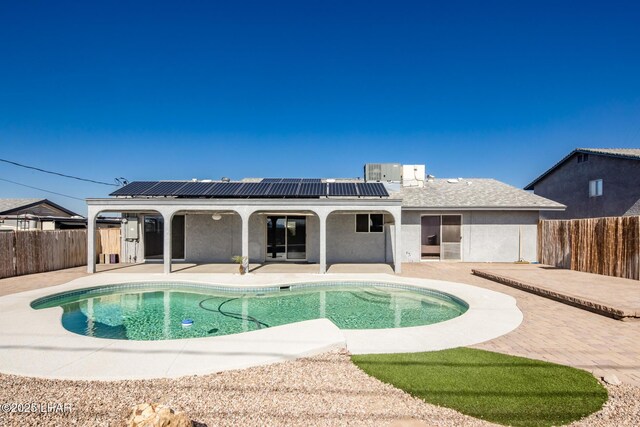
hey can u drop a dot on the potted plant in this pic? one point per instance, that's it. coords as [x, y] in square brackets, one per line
[241, 260]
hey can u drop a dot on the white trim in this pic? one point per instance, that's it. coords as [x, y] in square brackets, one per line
[481, 208]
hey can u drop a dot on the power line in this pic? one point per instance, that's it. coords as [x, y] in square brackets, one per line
[41, 189]
[57, 173]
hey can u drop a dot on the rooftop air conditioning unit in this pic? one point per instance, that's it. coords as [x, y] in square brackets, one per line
[383, 172]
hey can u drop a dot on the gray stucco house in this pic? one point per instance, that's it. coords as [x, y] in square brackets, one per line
[36, 214]
[593, 182]
[324, 221]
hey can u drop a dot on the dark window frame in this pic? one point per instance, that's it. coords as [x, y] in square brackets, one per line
[372, 227]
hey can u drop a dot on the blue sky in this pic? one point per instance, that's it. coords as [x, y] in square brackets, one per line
[200, 89]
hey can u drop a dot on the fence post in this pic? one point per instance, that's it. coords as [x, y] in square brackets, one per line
[15, 253]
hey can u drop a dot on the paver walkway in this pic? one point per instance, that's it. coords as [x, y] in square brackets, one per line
[606, 295]
[551, 330]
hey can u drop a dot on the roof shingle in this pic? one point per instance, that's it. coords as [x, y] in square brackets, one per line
[472, 193]
[13, 204]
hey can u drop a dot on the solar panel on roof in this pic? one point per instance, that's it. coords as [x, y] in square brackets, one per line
[283, 189]
[165, 188]
[135, 188]
[286, 187]
[372, 189]
[312, 189]
[290, 180]
[254, 189]
[194, 189]
[342, 189]
[224, 189]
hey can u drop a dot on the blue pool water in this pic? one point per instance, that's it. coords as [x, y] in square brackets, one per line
[159, 311]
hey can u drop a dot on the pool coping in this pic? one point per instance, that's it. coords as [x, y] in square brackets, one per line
[34, 342]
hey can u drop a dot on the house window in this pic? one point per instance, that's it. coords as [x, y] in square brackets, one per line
[595, 188]
[583, 158]
[369, 223]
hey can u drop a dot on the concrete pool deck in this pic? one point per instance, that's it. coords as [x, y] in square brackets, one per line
[34, 343]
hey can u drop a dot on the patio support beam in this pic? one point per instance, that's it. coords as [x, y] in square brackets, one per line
[397, 234]
[166, 252]
[91, 239]
[323, 241]
[245, 215]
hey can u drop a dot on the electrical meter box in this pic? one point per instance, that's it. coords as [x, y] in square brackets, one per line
[131, 228]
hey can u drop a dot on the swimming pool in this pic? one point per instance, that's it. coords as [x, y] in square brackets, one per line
[164, 311]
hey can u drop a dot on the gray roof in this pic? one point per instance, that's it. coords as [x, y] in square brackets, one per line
[633, 210]
[13, 204]
[623, 153]
[472, 193]
[10, 205]
[632, 153]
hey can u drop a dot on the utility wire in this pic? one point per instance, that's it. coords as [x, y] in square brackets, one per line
[41, 189]
[57, 173]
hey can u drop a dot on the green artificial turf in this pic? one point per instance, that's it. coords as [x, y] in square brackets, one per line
[492, 386]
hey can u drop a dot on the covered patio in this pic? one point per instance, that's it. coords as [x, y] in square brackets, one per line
[201, 235]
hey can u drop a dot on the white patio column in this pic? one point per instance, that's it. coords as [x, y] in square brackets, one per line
[91, 239]
[245, 216]
[167, 216]
[323, 241]
[397, 258]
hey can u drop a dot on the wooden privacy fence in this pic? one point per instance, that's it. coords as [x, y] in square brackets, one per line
[28, 252]
[108, 241]
[7, 245]
[609, 246]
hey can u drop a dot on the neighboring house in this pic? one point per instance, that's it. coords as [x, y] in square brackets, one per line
[42, 214]
[324, 221]
[593, 182]
[36, 214]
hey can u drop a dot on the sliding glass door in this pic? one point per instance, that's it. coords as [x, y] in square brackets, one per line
[451, 236]
[154, 237]
[286, 238]
[441, 237]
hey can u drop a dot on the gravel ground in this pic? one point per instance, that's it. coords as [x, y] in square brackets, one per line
[324, 390]
[622, 408]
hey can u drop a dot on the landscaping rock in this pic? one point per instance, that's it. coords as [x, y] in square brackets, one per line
[155, 415]
[611, 379]
[321, 391]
